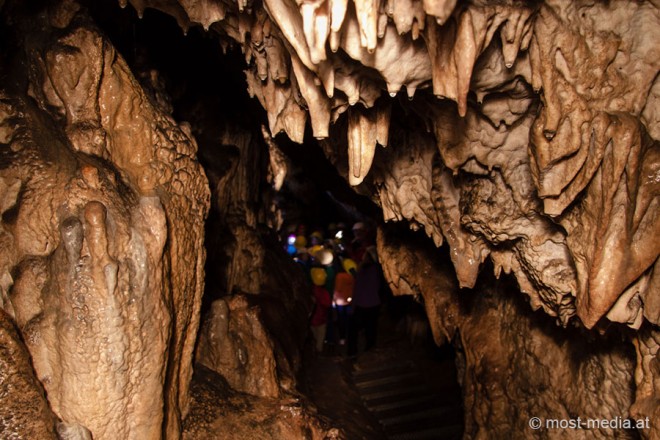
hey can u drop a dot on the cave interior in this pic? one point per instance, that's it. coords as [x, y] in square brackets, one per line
[157, 155]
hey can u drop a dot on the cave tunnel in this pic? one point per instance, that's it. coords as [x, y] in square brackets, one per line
[158, 155]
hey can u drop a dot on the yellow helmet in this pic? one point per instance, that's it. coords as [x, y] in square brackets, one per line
[318, 276]
[315, 249]
[349, 265]
[300, 242]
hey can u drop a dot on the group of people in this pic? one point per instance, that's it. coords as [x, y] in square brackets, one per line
[346, 280]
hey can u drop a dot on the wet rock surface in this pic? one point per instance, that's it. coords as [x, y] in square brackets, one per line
[509, 358]
[551, 111]
[218, 411]
[102, 228]
[24, 410]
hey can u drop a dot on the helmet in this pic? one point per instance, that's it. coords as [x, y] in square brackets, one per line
[358, 226]
[318, 276]
[324, 256]
[317, 234]
[315, 249]
[349, 265]
[300, 242]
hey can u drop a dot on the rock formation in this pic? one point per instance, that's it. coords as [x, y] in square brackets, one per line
[527, 143]
[102, 226]
[25, 412]
[509, 358]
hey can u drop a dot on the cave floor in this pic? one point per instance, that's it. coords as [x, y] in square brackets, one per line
[398, 390]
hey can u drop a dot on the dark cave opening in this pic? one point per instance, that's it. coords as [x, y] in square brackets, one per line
[203, 84]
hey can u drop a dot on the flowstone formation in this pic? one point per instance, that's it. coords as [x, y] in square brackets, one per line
[255, 325]
[103, 205]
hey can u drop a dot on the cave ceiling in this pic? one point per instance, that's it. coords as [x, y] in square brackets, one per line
[521, 131]
[524, 131]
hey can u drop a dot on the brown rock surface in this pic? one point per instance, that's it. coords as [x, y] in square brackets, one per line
[218, 411]
[515, 365]
[647, 405]
[24, 410]
[102, 225]
[234, 343]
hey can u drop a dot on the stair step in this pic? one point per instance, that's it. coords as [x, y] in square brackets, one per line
[427, 414]
[388, 394]
[383, 366]
[453, 432]
[453, 416]
[388, 380]
[401, 403]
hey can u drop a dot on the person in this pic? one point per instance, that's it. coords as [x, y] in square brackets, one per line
[358, 245]
[325, 259]
[322, 303]
[342, 297]
[316, 242]
[366, 302]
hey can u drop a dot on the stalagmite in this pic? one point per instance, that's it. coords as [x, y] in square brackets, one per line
[102, 334]
[227, 342]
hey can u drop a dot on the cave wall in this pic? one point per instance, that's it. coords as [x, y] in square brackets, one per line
[102, 229]
[552, 103]
[25, 412]
[256, 299]
[513, 365]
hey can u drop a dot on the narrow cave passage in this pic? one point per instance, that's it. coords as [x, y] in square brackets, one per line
[404, 387]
